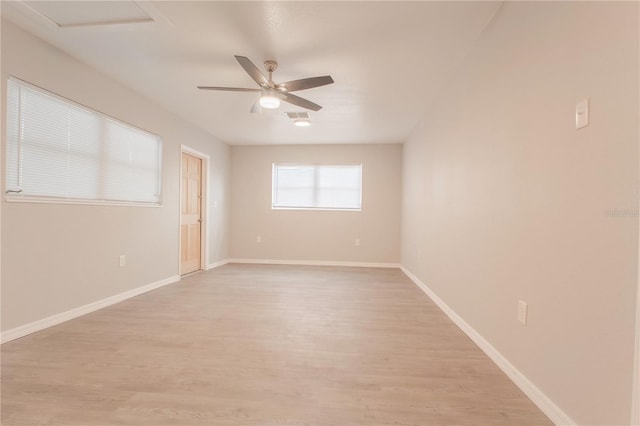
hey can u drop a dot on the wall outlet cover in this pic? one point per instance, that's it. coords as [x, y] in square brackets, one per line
[582, 114]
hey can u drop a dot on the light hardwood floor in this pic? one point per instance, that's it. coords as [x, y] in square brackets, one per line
[262, 345]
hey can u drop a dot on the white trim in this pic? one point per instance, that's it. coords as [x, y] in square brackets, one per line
[204, 207]
[47, 322]
[319, 209]
[315, 263]
[635, 392]
[538, 397]
[217, 264]
[78, 201]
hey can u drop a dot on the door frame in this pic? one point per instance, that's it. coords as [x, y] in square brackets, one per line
[204, 207]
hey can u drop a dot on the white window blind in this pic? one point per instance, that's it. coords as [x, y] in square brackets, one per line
[326, 187]
[60, 151]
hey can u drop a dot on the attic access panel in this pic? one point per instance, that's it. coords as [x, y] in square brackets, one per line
[66, 14]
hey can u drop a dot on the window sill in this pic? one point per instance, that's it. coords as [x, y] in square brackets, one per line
[45, 200]
[317, 209]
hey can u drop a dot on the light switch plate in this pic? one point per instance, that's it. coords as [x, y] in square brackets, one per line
[582, 114]
[522, 312]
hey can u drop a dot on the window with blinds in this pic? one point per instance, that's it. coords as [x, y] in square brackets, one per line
[58, 150]
[322, 187]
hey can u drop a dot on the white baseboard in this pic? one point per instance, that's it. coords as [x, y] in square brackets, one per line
[635, 392]
[38, 325]
[315, 263]
[546, 405]
[217, 264]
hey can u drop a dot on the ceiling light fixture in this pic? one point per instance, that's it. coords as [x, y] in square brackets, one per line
[269, 100]
[302, 122]
[300, 119]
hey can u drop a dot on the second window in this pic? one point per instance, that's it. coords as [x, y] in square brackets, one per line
[321, 187]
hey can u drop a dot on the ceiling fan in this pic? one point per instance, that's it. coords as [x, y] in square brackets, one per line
[272, 93]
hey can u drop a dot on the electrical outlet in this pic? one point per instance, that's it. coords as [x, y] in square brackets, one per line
[522, 312]
[258, 239]
[357, 242]
[582, 114]
[122, 260]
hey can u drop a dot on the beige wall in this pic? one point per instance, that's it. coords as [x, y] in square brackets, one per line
[505, 200]
[316, 235]
[58, 257]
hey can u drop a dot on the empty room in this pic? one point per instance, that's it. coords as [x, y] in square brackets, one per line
[338, 213]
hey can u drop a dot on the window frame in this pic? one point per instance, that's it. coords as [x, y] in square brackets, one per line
[14, 195]
[315, 187]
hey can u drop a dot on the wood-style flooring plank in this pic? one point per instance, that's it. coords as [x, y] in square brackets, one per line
[262, 345]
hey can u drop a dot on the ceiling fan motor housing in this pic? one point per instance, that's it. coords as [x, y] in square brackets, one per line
[270, 65]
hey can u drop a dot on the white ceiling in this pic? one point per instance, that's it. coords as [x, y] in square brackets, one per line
[388, 60]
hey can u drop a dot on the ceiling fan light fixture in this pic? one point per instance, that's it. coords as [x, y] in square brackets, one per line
[269, 101]
[273, 94]
[302, 122]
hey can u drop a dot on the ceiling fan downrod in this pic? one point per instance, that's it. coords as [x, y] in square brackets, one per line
[270, 66]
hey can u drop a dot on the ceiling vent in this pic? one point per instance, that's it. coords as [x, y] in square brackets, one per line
[69, 14]
[294, 115]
